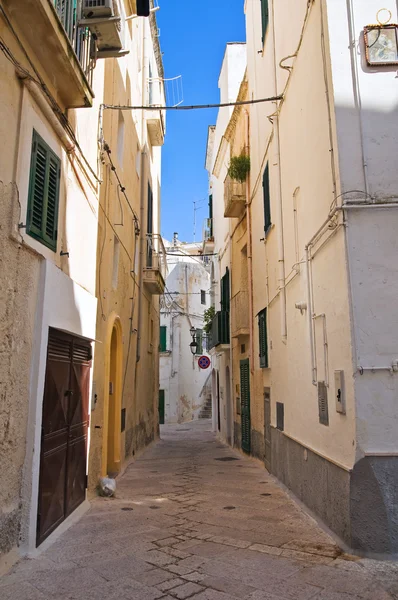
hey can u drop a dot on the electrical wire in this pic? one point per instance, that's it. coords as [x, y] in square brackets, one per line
[192, 106]
[121, 186]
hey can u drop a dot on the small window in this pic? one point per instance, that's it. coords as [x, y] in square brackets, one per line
[264, 19]
[199, 341]
[203, 296]
[266, 200]
[43, 199]
[262, 339]
[163, 338]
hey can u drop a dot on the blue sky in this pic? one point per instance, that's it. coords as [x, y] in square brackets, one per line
[193, 36]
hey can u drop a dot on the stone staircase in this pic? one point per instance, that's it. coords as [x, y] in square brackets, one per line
[205, 411]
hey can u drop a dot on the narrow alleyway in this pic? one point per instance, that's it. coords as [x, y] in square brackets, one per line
[194, 519]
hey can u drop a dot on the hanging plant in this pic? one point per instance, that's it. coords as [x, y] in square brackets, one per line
[239, 167]
[208, 317]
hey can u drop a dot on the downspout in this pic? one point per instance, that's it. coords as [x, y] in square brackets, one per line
[145, 65]
[249, 253]
[281, 251]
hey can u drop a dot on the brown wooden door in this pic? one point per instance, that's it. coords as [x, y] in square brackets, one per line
[62, 484]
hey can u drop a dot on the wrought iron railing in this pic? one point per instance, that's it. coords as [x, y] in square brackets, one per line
[69, 12]
[219, 333]
[156, 254]
[208, 234]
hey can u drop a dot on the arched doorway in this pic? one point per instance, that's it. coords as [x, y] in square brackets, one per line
[229, 406]
[111, 463]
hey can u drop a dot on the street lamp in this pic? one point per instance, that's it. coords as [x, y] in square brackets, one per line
[194, 344]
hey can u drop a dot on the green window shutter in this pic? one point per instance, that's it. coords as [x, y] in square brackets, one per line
[199, 340]
[43, 199]
[264, 18]
[163, 338]
[267, 200]
[262, 339]
[225, 301]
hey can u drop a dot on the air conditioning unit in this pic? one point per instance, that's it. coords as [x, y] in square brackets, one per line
[106, 21]
[97, 8]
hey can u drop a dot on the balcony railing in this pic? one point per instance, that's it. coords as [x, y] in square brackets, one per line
[240, 314]
[155, 268]
[208, 234]
[219, 330]
[234, 197]
[69, 12]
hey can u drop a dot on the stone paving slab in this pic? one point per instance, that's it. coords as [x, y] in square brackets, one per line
[184, 525]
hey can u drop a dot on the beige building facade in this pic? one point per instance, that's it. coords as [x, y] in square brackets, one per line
[56, 191]
[314, 396]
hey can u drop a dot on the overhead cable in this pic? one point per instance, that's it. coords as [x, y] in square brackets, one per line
[193, 106]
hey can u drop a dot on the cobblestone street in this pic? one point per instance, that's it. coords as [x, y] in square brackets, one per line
[194, 519]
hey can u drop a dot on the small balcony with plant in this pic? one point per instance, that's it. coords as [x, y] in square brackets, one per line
[235, 185]
[217, 330]
[155, 267]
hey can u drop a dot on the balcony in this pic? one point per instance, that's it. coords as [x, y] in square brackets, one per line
[63, 51]
[155, 268]
[219, 338]
[240, 314]
[208, 236]
[234, 197]
[155, 118]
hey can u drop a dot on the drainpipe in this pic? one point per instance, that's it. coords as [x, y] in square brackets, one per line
[249, 253]
[145, 70]
[277, 159]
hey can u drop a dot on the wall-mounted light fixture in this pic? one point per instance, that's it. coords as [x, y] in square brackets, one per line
[381, 41]
[194, 344]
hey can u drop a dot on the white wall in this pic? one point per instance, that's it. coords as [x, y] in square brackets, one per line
[64, 305]
[366, 107]
[180, 375]
[217, 162]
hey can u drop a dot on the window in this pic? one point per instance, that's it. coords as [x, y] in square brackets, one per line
[266, 199]
[199, 341]
[264, 18]
[262, 339]
[163, 338]
[203, 296]
[43, 199]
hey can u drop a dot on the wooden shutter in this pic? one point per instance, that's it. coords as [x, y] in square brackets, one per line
[245, 404]
[225, 291]
[266, 200]
[264, 18]
[43, 200]
[199, 340]
[163, 338]
[262, 338]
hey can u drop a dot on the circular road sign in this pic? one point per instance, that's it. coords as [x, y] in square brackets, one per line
[204, 362]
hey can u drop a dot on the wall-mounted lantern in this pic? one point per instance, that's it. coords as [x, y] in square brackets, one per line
[194, 344]
[381, 41]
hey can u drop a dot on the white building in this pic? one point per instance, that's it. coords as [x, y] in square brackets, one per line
[216, 240]
[317, 397]
[184, 386]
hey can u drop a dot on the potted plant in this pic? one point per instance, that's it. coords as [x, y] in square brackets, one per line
[239, 167]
